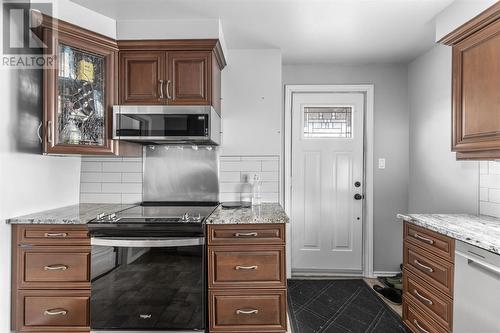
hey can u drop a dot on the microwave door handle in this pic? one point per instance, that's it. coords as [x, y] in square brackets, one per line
[150, 242]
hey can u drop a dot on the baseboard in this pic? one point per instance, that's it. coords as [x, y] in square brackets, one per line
[385, 273]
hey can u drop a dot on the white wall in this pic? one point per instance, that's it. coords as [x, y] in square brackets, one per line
[251, 103]
[391, 142]
[438, 183]
[459, 12]
[29, 181]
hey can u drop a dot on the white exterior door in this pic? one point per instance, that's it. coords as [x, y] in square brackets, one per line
[327, 183]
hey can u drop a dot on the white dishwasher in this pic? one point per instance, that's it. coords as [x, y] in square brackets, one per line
[477, 290]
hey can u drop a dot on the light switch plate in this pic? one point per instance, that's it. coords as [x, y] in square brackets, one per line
[381, 163]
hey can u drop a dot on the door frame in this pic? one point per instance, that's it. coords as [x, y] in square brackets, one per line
[368, 91]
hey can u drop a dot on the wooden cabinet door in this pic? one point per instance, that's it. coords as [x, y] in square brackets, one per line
[189, 78]
[476, 83]
[140, 77]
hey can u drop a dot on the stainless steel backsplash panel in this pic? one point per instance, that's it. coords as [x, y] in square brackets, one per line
[173, 174]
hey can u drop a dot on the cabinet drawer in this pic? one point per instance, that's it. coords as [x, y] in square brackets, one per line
[418, 321]
[247, 311]
[54, 267]
[429, 267]
[433, 242]
[53, 311]
[52, 235]
[236, 266]
[246, 234]
[439, 306]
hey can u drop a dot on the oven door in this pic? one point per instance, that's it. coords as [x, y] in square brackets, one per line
[148, 284]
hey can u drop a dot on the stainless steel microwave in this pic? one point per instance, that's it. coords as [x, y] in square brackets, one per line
[166, 124]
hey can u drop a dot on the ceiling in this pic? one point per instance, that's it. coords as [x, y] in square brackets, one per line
[306, 31]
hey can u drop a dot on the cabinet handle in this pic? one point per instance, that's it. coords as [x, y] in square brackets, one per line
[55, 312]
[422, 238]
[161, 90]
[245, 267]
[49, 131]
[55, 268]
[38, 132]
[425, 299]
[423, 266]
[56, 234]
[168, 90]
[420, 328]
[249, 311]
[246, 234]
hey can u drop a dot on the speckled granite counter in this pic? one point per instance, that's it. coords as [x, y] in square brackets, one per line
[74, 214]
[265, 213]
[482, 231]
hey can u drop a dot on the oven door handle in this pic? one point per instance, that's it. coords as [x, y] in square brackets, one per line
[147, 242]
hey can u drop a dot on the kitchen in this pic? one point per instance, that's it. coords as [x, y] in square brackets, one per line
[70, 194]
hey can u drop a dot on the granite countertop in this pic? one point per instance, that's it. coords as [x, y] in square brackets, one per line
[478, 230]
[264, 213]
[74, 214]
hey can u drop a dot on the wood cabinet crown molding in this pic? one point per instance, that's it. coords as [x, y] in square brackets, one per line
[477, 23]
[42, 21]
[176, 45]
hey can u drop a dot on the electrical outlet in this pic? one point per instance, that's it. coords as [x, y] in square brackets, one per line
[381, 163]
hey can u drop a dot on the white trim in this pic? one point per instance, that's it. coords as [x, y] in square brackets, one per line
[368, 91]
[385, 273]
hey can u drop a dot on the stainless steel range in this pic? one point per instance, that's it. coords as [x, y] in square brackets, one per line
[148, 261]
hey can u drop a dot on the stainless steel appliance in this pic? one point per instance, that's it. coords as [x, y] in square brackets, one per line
[166, 124]
[157, 276]
[477, 281]
[148, 261]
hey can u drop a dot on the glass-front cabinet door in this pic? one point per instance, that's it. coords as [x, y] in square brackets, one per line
[79, 94]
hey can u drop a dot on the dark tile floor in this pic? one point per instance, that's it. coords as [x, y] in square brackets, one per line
[328, 306]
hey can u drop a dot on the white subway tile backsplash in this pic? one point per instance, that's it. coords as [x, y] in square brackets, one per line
[131, 177]
[131, 198]
[229, 176]
[90, 187]
[123, 166]
[270, 165]
[122, 187]
[91, 166]
[91, 177]
[489, 191]
[119, 180]
[100, 198]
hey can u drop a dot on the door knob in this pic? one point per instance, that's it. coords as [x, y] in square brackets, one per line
[358, 196]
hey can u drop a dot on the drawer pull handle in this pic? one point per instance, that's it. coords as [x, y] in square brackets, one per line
[55, 312]
[420, 328]
[245, 267]
[423, 266]
[56, 234]
[250, 311]
[422, 238]
[56, 268]
[425, 299]
[246, 234]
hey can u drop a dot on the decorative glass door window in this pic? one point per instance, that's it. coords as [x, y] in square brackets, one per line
[81, 98]
[328, 122]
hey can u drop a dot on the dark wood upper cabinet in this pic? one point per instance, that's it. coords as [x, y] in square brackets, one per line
[189, 77]
[141, 74]
[79, 91]
[174, 72]
[476, 86]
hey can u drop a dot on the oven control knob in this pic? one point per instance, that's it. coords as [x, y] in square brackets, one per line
[185, 217]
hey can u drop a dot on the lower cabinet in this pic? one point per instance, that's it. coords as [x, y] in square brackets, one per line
[428, 271]
[247, 278]
[51, 278]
